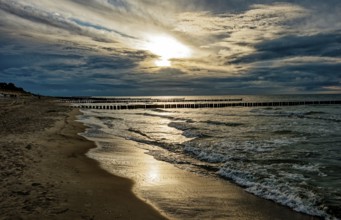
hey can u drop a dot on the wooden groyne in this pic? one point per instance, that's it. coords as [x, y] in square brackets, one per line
[144, 100]
[125, 106]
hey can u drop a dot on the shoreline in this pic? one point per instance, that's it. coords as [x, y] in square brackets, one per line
[47, 174]
[180, 194]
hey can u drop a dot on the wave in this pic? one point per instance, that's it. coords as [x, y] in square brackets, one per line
[279, 156]
[159, 110]
[315, 115]
[156, 115]
[136, 131]
[106, 118]
[228, 124]
[189, 130]
[172, 147]
[295, 196]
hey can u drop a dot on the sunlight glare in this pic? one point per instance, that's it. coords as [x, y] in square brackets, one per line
[162, 62]
[166, 48]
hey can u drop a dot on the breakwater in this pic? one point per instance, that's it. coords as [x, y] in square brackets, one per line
[192, 104]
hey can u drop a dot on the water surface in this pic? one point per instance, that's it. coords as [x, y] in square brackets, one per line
[291, 154]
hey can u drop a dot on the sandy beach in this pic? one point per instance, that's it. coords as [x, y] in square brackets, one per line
[46, 175]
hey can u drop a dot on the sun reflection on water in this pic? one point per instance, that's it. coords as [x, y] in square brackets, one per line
[153, 173]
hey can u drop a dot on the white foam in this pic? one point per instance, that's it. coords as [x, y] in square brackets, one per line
[273, 188]
[309, 168]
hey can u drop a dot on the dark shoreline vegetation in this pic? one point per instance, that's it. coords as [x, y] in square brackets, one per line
[10, 87]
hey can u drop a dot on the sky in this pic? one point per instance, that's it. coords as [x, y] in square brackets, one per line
[171, 47]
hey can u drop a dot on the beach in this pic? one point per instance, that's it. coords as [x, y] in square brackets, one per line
[46, 175]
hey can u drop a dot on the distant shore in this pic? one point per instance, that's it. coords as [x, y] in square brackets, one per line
[45, 173]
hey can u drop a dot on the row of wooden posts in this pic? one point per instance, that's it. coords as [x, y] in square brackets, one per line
[201, 105]
[149, 101]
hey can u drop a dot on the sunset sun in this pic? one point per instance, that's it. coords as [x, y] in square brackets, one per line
[166, 48]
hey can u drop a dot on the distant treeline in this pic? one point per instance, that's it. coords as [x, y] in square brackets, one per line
[10, 87]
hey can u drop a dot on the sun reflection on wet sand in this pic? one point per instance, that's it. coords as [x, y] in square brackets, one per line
[179, 193]
[153, 175]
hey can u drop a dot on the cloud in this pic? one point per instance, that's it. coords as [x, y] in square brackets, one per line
[234, 35]
[97, 46]
[55, 20]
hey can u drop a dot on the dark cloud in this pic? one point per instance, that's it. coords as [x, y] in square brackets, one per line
[240, 47]
[99, 27]
[49, 18]
[100, 62]
[299, 78]
[235, 6]
[319, 45]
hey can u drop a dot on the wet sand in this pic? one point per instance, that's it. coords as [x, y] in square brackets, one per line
[46, 175]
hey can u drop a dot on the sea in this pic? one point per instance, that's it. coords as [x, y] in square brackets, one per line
[288, 154]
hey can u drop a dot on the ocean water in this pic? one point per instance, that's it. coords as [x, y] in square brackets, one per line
[290, 155]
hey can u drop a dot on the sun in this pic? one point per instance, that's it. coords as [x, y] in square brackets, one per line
[166, 48]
